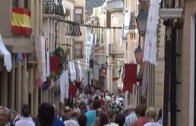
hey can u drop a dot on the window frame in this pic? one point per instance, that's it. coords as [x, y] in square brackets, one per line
[82, 14]
[16, 3]
[74, 49]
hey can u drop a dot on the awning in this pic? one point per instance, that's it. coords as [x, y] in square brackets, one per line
[6, 55]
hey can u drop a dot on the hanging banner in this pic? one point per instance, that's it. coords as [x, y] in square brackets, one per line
[89, 43]
[54, 64]
[47, 58]
[43, 58]
[21, 21]
[150, 47]
[127, 20]
[130, 77]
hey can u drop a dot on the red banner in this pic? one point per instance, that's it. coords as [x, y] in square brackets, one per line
[54, 64]
[130, 77]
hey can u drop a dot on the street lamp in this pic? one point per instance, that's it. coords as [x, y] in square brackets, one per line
[141, 20]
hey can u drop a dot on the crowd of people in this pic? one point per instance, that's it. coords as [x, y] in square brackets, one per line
[97, 109]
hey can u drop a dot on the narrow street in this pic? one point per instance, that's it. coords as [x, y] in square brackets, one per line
[97, 63]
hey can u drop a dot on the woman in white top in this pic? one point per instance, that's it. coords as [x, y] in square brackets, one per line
[151, 117]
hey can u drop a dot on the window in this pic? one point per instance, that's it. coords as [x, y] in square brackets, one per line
[79, 15]
[78, 49]
[26, 4]
[14, 3]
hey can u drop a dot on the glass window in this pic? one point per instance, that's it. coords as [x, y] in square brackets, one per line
[78, 15]
[78, 18]
[26, 4]
[78, 11]
[14, 3]
[78, 49]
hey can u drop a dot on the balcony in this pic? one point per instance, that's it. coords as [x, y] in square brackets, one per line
[171, 9]
[51, 8]
[115, 5]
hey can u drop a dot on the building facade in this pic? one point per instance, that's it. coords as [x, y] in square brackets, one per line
[54, 35]
[18, 86]
[185, 64]
[79, 42]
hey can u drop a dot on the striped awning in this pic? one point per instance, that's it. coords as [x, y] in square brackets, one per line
[21, 21]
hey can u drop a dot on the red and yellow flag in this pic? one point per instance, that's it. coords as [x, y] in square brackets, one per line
[21, 21]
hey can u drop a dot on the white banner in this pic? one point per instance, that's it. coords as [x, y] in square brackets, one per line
[89, 43]
[127, 19]
[43, 58]
[150, 47]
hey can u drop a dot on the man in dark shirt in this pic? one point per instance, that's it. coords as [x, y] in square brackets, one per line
[57, 121]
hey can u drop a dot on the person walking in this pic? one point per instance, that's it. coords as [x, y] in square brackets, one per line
[26, 119]
[57, 121]
[140, 111]
[2, 116]
[131, 116]
[159, 119]
[151, 117]
[46, 114]
[73, 119]
[120, 119]
[11, 118]
[91, 114]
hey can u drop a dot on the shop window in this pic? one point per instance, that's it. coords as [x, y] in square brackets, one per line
[78, 15]
[78, 49]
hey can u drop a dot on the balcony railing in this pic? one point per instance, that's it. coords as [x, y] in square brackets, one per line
[51, 7]
[172, 3]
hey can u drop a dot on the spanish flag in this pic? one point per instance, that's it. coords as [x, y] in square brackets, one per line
[21, 21]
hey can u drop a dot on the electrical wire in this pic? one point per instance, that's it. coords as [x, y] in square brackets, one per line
[98, 64]
[96, 26]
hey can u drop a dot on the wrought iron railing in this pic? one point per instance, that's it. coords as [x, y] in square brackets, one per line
[52, 7]
[172, 3]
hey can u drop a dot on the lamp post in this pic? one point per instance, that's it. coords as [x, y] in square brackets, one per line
[141, 20]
